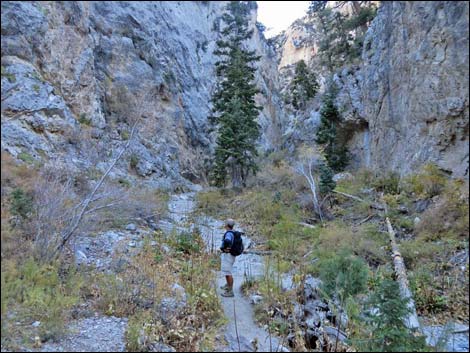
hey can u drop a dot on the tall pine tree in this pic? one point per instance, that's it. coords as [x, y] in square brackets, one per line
[336, 152]
[235, 111]
[304, 85]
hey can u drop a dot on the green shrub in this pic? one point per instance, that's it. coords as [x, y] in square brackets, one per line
[333, 239]
[447, 219]
[388, 183]
[124, 182]
[290, 238]
[370, 245]
[327, 184]
[188, 243]
[42, 295]
[125, 135]
[405, 223]
[134, 160]
[430, 182]
[21, 204]
[212, 203]
[387, 328]
[344, 275]
[135, 326]
[84, 120]
[36, 88]
[428, 298]
[26, 157]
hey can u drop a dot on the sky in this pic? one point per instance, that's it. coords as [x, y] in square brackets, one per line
[278, 15]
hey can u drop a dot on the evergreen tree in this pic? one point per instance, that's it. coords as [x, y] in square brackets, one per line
[389, 332]
[327, 184]
[336, 152]
[304, 85]
[235, 111]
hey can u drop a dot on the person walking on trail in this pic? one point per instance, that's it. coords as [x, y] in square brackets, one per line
[231, 247]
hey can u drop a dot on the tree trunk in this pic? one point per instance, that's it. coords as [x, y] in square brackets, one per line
[412, 320]
[236, 175]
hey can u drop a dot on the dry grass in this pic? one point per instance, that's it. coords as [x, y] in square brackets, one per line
[192, 326]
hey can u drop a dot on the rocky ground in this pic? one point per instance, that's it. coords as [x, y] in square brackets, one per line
[94, 334]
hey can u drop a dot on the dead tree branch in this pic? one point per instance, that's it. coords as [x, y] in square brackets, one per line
[67, 234]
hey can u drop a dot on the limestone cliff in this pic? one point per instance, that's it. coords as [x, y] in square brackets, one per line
[73, 74]
[406, 102]
[414, 86]
[71, 71]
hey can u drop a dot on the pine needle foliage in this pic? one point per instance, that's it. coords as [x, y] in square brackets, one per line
[234, 107]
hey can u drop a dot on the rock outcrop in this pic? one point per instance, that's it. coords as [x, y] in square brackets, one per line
[415, 86]
[405, 103]
[75, 75]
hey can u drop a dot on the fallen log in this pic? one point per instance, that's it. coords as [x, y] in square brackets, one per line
[307, 225]
[348, 195]
[375, 205]
[412, 320]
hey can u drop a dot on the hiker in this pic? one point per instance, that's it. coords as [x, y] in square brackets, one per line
[232, 246]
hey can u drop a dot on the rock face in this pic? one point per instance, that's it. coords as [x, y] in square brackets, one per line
[415, 86]
[76, 74]
[406, 103]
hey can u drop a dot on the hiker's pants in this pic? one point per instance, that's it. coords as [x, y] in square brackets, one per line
[227, 261]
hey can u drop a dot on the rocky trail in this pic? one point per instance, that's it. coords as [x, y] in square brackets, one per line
[251, 337]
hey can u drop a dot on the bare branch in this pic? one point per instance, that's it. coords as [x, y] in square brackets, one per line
[101, 207]
[66, 236]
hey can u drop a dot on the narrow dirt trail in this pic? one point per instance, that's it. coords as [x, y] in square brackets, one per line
[250, 335]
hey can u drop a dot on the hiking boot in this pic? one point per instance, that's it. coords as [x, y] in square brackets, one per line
[228, 293]
[224, 287]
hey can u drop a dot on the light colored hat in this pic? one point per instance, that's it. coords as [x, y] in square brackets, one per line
[230, 222]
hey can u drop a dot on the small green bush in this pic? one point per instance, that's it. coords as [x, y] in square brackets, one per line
[42, 295]
[21, 204]
[84, 120]
[428, 298]
[415, 251]
[387, 327]
[125, 135]
[188, 243]
[344, 275]
[448, 219]
[124, 182]
[430, 182]
[36, 88]
[26, 157]
[289, 237]
[388, 183]
[134, 160]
